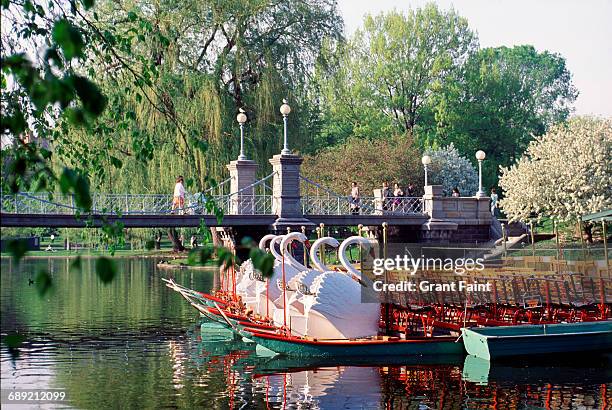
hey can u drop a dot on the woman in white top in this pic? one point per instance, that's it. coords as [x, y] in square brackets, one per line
[355, 199]
[178, 202]
[494, 199]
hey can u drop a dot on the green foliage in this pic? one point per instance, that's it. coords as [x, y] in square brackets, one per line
[262, 261]
[44, 282]
[173, 90]
[113, 235]
[17, 248]
[105, 269]
[73, 182]
[226, 258]
[200, 256]
[382, 80]
[68, 38]
[422, 71]
[500, 100]
[367, 162]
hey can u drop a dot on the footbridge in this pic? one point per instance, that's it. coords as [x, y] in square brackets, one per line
[283, 199]
[251, 205]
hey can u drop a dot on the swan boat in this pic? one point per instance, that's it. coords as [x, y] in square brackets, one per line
[321, 293]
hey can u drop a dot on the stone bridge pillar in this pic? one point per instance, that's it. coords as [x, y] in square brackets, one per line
[242, 174]
[455, 219]
[286, 200]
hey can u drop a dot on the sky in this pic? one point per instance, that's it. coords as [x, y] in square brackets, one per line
[579, 30]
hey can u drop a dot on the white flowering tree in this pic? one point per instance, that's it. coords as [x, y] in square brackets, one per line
[449, 169]
[565, 173]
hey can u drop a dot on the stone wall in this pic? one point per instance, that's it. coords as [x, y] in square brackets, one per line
[471, 234]
[455, 219]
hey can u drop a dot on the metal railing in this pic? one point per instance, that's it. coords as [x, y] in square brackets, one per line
[255, 199]
[329, 205]
[319, 200]
[102, 204]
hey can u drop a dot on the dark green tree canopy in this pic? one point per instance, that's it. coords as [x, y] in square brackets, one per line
[386, 74]
[500, 99]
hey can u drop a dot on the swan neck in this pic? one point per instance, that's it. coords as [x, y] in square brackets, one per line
[344, 259]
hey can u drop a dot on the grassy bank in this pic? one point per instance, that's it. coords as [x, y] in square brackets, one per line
[61, 253]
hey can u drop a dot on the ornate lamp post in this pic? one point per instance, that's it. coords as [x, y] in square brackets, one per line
[426, 160]
[241, 118]
[480, 156]
[285, 110]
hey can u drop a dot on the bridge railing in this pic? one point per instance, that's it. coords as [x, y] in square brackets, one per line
[245, 204]
[106, 204]
[37, 203]
[319, 200]
[328, 205]
[254, 199]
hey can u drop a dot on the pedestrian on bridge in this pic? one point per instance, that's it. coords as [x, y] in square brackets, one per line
[386, 196]
[355, 200]
[494, 199]
[398, 195]
[178, 201]
[410, 191]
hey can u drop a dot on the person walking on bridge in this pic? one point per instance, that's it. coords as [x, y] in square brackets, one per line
[386, 196]
[494, 199]
[410, 191]
[355, 199]
[398, 197]
[178, 201]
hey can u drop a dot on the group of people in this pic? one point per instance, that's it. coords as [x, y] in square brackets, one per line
[392, 200]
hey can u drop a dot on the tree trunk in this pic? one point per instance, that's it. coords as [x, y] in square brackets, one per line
[215, 238]
[177, 246]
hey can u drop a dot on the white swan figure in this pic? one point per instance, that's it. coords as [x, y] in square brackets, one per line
[261, 305]
[295, 285]
[335, 309]
[293, 268]
[299, 289]
[266, 306]
[303, 280]
[246, 287]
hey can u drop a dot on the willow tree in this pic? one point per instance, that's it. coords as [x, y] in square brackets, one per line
[176, 83]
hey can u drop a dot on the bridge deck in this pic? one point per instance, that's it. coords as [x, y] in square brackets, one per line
[163, 221]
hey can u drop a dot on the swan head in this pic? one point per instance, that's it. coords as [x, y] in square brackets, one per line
[361, 241]
[265, 240]
[273, 242]
[290, 237]
[314, 256]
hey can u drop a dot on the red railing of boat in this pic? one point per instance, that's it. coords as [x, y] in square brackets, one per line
[296, 339]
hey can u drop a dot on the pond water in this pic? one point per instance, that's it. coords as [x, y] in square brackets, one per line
[136, 344]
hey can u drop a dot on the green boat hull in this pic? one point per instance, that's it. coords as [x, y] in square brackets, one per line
[408, 348]
[529, 340]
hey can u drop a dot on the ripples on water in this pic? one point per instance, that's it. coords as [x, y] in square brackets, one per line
[136, 344]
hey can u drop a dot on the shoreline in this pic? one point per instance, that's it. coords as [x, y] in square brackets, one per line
[89, 255]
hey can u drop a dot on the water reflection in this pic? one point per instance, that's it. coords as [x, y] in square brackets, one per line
[135, 344]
